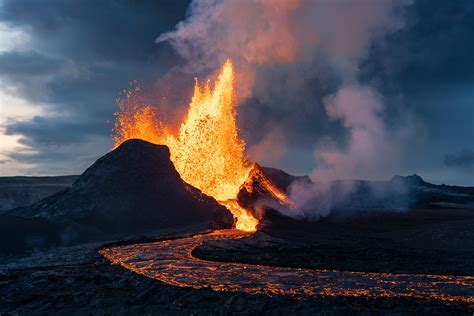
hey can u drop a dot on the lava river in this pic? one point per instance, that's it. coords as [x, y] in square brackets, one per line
[172, 262]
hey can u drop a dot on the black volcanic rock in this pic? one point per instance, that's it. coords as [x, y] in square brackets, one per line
[133, 189]
[18, 234]
[282, 179]
[259, 194]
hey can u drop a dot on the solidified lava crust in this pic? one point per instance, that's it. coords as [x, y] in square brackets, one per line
[172, 262]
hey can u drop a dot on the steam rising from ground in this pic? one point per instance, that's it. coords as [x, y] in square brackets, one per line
[370, 147]
[359, 109]
[261, 36]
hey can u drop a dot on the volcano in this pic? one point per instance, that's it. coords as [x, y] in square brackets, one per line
[133, 189]
[207, 151]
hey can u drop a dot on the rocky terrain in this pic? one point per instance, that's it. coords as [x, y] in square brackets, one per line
[133, 189]
[76, 280]
[49, 261]
[418, 241]
[23, 191]
[283, 179]
[346, 196]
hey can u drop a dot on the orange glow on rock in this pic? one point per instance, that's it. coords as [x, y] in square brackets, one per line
[207, 152]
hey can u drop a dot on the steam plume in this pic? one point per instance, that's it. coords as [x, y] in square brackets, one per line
[371, 147]
[292, 36]
[262, 32]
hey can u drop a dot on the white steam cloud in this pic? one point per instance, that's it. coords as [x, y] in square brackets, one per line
[360, 110]
[370, 148]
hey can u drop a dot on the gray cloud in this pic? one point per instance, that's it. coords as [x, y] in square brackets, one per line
[29, 63]
[463, 158]
[84, 30]
[54, 131]
[81, 54]
[429, 66]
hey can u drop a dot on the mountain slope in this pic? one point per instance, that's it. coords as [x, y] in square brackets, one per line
[134, 188]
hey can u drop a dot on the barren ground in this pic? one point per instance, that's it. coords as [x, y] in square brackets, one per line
[78, 280]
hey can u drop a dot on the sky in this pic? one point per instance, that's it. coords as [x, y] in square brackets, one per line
[343, 89]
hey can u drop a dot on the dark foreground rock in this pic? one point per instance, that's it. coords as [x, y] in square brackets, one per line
[426, 241]
[77, 281]
[18, 234]
[134, 188]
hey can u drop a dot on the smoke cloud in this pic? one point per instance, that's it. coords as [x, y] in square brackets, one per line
[249, 32]
[274, 142]
[359, 109]
[463, 158]
[370, 147]
[263, 32]
[295, 41]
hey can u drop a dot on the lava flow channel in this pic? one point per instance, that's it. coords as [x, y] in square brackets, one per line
[172, 262]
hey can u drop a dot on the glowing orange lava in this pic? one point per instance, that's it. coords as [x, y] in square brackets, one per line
[207, 152]
[173, 262]
[135, 119]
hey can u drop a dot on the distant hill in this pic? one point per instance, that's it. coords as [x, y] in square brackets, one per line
[422, 193]
[344, 196]
[283, 179]
[23, 191]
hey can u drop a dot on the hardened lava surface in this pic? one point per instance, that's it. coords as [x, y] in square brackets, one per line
[172, 262]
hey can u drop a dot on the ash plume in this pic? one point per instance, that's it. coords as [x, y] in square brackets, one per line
[280, 46]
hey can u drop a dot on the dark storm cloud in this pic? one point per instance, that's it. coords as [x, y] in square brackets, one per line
[428, 66]
[462, 158]
[113, 30]
[432, 53]
[26, 73]
[54, 131]
[81, 54]
[27, 64]
[435, 48]
[40, 156]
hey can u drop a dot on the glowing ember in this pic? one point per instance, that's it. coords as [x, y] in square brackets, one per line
[207, 152]
[135, 119]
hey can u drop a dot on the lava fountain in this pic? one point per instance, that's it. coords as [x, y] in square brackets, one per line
[207, 151]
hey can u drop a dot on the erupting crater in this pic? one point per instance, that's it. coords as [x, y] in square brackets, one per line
[208, 154]
[207, 151]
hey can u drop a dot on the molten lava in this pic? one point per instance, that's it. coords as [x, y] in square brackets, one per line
[135, 119]
[207, 152]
